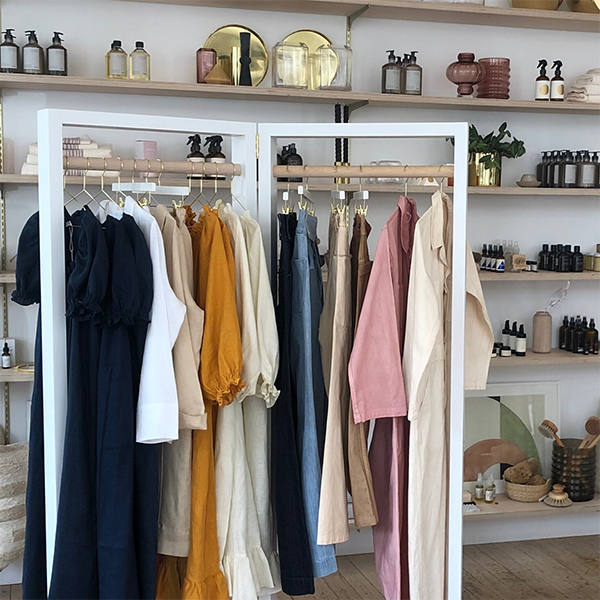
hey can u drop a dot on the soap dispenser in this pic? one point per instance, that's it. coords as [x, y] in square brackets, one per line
[33, 55]
[390, 75]
[413, 76]
[557, 83]
[542, 83]
[9, 53]
[56, 56]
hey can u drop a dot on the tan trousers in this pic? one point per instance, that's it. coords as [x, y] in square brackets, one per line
[359, 469]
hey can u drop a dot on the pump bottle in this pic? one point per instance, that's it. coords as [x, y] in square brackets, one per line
[506, 334]
[56, 56]
[9, 54]
[413, 75]
[542, 83]
[33, 55]
[390, 75]
[513, 338]
[557, 83]
[521, 349]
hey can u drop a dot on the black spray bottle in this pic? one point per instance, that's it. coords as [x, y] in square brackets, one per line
[557, 83]
[542, 83]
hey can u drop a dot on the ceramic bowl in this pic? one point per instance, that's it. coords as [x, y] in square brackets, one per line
[528, 180]
[584, 6]
[538, 4]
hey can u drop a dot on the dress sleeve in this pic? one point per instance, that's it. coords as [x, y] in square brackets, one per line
[221, 354]
[375, 369]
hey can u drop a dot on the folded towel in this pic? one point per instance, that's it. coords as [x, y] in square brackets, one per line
[590, 88]
[103, 151]
[82, 139]
[29, 169]
[583, 97]
[33, 148]
[591, 76]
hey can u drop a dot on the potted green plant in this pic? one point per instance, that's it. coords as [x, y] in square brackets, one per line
[486, 154]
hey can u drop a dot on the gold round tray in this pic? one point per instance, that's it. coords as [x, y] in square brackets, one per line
[226, 38]
[313, 40]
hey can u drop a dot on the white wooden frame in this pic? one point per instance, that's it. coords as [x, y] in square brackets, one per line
[267, 211]
[52, 251]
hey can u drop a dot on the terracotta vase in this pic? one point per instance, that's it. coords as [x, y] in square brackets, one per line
[465, 73]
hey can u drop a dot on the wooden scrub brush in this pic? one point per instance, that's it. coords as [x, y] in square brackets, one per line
[592, 428]
[558, 497]
[549, 429]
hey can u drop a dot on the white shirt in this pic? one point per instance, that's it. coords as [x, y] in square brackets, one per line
[158, 406]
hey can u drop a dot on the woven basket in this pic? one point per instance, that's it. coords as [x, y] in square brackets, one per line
[526, 493]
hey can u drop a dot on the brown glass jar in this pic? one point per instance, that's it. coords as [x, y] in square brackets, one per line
[575, 469]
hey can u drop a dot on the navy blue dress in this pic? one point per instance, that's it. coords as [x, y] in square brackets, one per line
[109, 295]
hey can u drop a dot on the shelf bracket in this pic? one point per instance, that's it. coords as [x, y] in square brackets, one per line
[356, 105]
[350, 20]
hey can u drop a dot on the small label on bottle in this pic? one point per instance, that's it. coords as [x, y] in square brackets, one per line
[570, 174]
[6, 361]
[588, 174]
[8, 57]
[557, 90]
[513, 343]
[139, 65]
[56, 60]
[506, 339]
[215, 159]
[542, 90]
[521, 345]
[556, 175]
[413, 81]
[479, 492]
[117, 64]
[31, 59]
[392, 80]
[490, 494]
[492, 264]
[500, 264]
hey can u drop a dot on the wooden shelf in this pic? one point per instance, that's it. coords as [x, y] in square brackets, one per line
[555, 357]
[8, 278]
[470, 14]
[539, 276]
[505, 508]
[20, 81]
[14, 376]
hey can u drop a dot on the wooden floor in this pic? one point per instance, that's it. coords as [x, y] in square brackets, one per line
[556, 569]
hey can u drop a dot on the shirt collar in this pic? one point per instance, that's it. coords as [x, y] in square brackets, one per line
[437, 219]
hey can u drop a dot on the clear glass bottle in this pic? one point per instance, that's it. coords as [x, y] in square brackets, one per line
[479, 488]
[290, 66]
[116, 61]
[335, 67]
[490, 490]
[139, 63]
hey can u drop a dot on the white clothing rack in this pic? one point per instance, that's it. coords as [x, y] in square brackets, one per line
[244, 155]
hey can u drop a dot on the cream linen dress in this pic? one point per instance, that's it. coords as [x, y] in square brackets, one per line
[425, 362]
[243, 561]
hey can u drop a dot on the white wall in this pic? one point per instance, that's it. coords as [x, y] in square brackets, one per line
[173, 33]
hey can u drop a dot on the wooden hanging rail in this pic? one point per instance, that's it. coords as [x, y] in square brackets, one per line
[360, 172]
[142, 165]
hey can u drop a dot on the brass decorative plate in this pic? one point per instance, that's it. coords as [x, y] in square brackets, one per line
[224, 39]
[314, 40]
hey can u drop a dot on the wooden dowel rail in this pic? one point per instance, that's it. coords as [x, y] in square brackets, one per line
[361, 172]
[141, 165]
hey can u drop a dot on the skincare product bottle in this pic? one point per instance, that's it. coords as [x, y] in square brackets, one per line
[552, 165]
[293, 159]
[6, 356]
[568, 172]
[578, 336]
[542, 83]
[569, 335]
[494, 262]
[546, 169]
[215, 152]
[404, 62]
[506, 334]
[56, 56]
[577, 260]
[500, 261]
[413, 76]
[139, 63]
[505, 352]
[539, 169]
[513, 338]
[562, 333]
[390, 75]
[557, 257]
[557, 83]
[595, 161]
[9, 53]
[479, 489]
[564, 260]
[484, 257]
[490, 490]
[116, 61]
[543, 257]
[195, 155]
[33, 55]
[521, 341]
[586, 171]
[592, 335]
